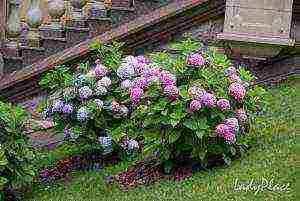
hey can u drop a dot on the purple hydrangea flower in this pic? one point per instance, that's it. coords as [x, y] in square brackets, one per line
[196, 59]
[237, 91]
[195, 105]
[150, 72]
[105, 82]
[142, 59]
[171, 92]
[223, 104]
[232, 124]
[68, 109]
[209, 100]
[85, 92]
[47, 113]
[58, 106]
[125, 71]
[167, 78]
[141, 83]
[100, 70]
[196, 92]
[83, 114]
[136, 94]
[223, 131]
[241, 115]
[126, 84]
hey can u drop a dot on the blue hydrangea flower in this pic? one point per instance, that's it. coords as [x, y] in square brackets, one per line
[58, 106]
[83, 114]
[125, 71]
[126, 84]
[85, 92]
[68, 109]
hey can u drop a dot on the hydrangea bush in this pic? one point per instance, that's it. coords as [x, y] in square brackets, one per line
[190, 105]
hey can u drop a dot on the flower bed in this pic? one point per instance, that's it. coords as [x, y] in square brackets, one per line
[194, 105]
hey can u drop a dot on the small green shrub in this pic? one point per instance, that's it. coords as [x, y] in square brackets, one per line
[15, 153]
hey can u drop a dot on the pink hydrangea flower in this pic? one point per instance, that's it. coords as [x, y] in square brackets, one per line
[167, 78]
[136, 94]
[195, 105]
[196, 92]
[172, 92]
[209, 100]
[196, 59]
[223, 104]
[231, 70]
[141, 83]
[234, 78]
[223, 131]
[115, 106]
[100, 70]
[237, 91]
[241, 115]
[233, 124]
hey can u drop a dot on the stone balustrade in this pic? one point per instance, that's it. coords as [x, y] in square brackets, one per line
[24, 22]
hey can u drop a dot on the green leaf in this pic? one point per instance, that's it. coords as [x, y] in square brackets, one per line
[173, 135]
[191, 124]
[160, 105]
[200, 133]
[3, 158]
[168, 166]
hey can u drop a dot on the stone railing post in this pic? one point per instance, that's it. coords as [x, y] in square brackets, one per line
[3, 18]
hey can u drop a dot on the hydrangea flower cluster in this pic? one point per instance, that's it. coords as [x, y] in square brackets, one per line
[203, 97]
[196, 92]
[138, 74]
[100, 71]
[196, 59]
[209, 100]
[68, 109]
[241, 115]
[237, 91]
[58, 106]
[85, 92]
[223, 104]
[223, 131]
[195, 105]
[83, 114]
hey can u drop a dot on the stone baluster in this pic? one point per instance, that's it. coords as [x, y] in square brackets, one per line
[45, 11]
[56, 9]
[34, 20]
[13, 30]
[97, 10]
[13, 26]
[3, 14]
[77, 15]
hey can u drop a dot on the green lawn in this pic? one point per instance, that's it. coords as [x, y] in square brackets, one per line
[274, 155]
